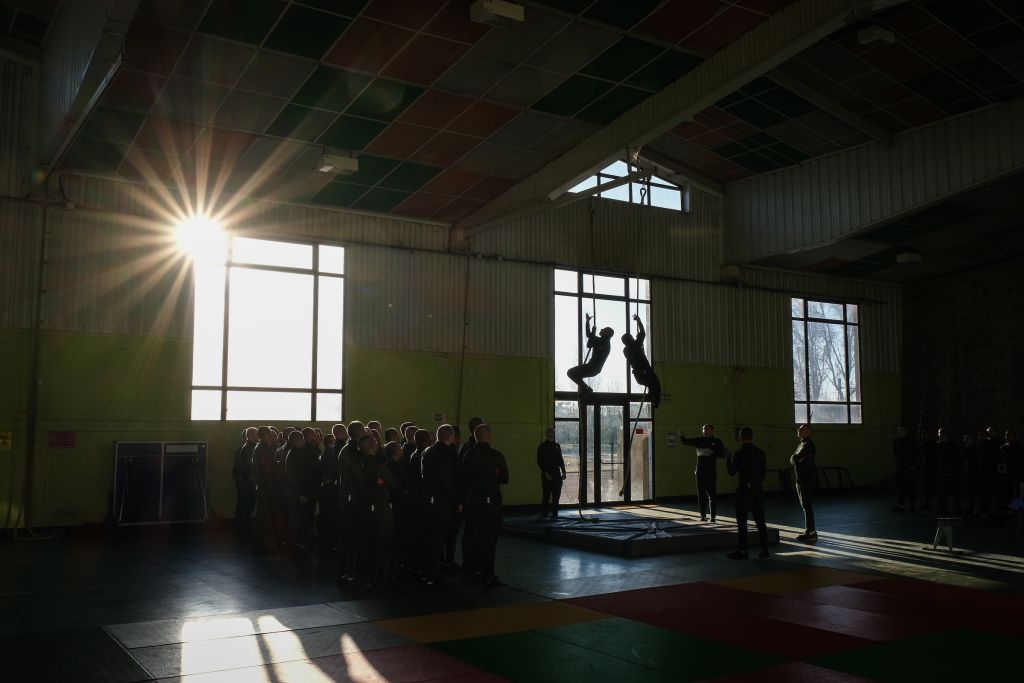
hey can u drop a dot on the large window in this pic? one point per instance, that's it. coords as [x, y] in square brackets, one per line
[268, 337]
[653, 191]
[826, 362]
[593, 441]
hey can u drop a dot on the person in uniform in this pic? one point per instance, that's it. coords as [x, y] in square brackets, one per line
[437, 495]
[484, 471]
[950, 467]
[300, 479]
[270, 515]
[457, 521]
[749, 463]
[376, 519]
[709, 448]
[552, 472]
[349, 496]
[600, 346]
[327, 495]
[806, 471]
[636, 356]
[245, 489]
[905, 455]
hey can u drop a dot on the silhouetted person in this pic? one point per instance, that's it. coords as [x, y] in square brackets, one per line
[905, 455]
[806, 480]
[969, 455]
[302, 476]
[349, 498]
[271, 512]
[949, 468]
[484, 471]
[457, 521]
[376, 519]
[988, 467]
[552, 472]
[636, 356]
[749, 463]
[327, 496]
[437, 491]
[1012, 455]
[245, 488]
[929, 469]
[600, 346]
[709, 448]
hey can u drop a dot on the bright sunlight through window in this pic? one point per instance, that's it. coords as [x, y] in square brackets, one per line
[268, 334]
[653, 191]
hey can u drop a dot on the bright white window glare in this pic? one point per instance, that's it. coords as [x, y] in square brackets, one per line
[208, 324]
[270, 253]
[330, 343]
[665, 198]
[268, 405]
[328, 408]
[270, 329]
[587, 184]
[205, 404]
[332, 259]
[608, 285]
[639, 288]
[202, 239]
[620, 193]
[617, 169]
[566, 281]
[567, 339]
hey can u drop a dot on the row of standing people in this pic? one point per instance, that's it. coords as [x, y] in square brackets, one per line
[981, 467]
[388, 501]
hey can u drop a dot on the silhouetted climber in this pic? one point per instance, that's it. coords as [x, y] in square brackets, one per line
[600, 346]
[643, 373]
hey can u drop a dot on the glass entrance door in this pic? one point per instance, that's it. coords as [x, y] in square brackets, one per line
[606, 468]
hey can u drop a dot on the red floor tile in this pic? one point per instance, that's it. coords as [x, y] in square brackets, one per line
[752, 632]
[635, 603]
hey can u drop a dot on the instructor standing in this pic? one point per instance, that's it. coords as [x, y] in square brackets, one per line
[802, 461]
[709, 447]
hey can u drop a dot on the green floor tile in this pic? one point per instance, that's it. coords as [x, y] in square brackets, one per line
[534, 658]
[685, 657]
[898, 664]
[989, 650]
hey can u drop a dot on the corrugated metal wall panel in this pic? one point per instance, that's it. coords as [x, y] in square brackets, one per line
[264, 218]
[404, 300]
[625, 238]
[19, 244]
[880, 310]
[834, 196]
[17, 113]
[510, 308]
[113, 277]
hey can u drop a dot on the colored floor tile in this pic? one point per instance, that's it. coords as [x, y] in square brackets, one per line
[743, 630]
[891, 604]
[889, 662]
[393, 665]
[790, 672]
[637, 603]
[534, 658]
[801, 579]
[488, 622]
[684, 656]
[988, 652]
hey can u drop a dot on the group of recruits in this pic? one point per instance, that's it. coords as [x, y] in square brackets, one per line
[389, 500]
[748, 464]
[990, 473]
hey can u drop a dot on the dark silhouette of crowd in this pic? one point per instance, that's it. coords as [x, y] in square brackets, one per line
[389, 502]
[980, 474]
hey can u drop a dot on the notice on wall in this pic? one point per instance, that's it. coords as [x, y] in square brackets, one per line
[438, 418]
[671, 440]
[5, 441]
[61, 440]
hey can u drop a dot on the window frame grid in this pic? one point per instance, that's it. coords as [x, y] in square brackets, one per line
[845, 324]
[315, 273]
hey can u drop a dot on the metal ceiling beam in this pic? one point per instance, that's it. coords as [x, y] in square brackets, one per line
[782, 36]
[680, 172]
[82, 55]
[830, 106]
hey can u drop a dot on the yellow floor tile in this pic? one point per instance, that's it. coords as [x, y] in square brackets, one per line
[474, 623]
[795, 581]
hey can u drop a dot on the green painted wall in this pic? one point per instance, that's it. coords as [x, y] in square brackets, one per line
[106, 388]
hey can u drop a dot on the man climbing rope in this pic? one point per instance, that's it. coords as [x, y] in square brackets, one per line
[643, 373]
[600, 346]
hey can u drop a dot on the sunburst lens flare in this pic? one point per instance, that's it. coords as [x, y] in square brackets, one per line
[201, 238]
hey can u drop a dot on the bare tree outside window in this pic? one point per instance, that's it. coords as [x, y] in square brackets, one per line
[826, 362]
